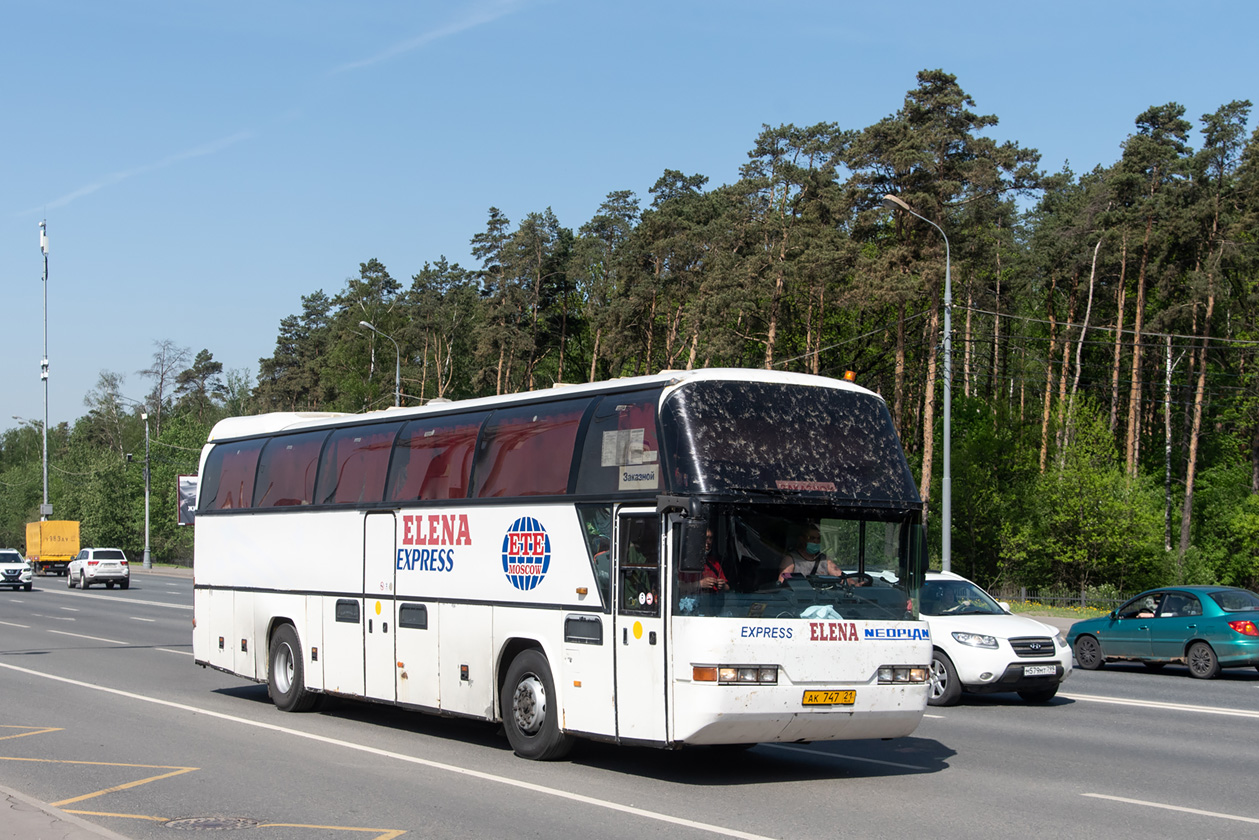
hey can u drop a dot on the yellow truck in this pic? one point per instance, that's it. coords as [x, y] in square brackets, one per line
[51, 545]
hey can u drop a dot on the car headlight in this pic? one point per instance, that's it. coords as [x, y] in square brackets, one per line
[976, 640]
[1062, 643]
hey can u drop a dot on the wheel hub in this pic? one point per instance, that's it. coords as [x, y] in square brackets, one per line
[284, 669]
[528, 706]
[939, 678]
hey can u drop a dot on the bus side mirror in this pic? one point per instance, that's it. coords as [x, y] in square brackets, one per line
[694, 536]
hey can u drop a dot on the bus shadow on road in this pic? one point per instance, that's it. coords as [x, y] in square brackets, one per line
[695, 765]
[768, 763]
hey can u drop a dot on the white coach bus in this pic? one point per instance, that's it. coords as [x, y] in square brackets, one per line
[611, 561]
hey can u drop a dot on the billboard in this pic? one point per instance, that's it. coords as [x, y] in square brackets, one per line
[187, 496]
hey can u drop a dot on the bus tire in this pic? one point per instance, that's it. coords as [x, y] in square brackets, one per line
[286, 672]
[530, 713]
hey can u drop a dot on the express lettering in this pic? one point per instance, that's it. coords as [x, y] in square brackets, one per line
[832, 631]
[759, 632]
[426, 559]
[436, 529]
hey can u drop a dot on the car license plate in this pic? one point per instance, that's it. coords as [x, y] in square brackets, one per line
[830, 698]
[1039, 670]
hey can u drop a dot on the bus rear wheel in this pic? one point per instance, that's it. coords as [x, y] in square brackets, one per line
[530, 713]
[286, 673]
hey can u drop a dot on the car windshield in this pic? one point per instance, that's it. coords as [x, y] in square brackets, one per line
[10, 557]
[1236, 600]
[956, 597]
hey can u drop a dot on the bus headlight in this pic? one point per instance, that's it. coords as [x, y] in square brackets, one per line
[892, 674]
[736, 674]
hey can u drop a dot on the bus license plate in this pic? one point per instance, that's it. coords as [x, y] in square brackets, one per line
[830, 698]
[1039, 670]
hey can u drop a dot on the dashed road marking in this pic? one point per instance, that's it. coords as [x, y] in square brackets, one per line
[1166, 807]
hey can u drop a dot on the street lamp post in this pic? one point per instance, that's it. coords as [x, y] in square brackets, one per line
[144, 415]
[891, 202]
[45, 510]
[148, 560]
[397, 367]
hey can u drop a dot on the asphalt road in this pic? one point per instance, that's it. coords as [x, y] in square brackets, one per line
[104, 714]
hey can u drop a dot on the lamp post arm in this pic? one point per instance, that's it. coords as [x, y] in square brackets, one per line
[946, 480]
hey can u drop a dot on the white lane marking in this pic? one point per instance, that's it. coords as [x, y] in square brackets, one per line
[844, 756]
[11, 624]
[54, 617]
[1154, 704]
[91, 638]
[137, 618]
[410, 759]
[935, 717]
[1167, 807]
[69, 609]
[80, 594]
[180, 652]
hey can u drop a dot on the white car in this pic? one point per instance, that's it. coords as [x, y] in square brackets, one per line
[99, 565]
[980, 647]
[15, 571]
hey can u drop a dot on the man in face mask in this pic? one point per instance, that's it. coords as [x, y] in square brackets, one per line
[807, 558]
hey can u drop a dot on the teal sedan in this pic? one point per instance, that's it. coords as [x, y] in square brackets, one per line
[1204, 627]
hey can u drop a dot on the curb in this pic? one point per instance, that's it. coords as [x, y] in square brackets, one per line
[25, 817]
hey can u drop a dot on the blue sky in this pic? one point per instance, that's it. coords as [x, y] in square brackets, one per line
[202, 165]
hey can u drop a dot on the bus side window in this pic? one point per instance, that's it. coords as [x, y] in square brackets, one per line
[352, 469]
[286, 470]
[620, 451]
[527, 451]
[596, 524]
[229, 472]
[432, 459]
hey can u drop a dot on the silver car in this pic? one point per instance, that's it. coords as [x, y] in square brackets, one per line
[15, 571]
[99, 565]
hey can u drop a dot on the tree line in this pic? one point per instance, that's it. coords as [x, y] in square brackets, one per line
[1105, 416]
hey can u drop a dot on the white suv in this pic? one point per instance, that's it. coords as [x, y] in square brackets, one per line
[980, 647]
[99, 565]
[14, 570]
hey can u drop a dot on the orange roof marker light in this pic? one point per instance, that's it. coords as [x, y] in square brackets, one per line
[850, 376]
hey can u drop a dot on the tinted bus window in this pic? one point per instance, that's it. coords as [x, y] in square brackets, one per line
[229, 475]
[794, 440]
[352, 469]
[286, 470]
[433, 458]
[620, 452]
[527, 451]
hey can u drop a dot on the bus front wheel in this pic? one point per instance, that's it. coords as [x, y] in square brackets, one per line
[530, 711]
[286, 674]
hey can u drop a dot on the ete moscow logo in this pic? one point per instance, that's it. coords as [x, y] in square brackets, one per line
[526, 553]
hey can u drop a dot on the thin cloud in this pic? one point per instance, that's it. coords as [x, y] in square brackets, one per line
[117, 177]
[477, 18]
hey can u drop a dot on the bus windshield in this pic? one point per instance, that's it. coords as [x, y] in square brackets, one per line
[773, 561]
[785, 439]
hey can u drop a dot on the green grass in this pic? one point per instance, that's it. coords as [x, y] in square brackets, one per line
[1061, 612]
